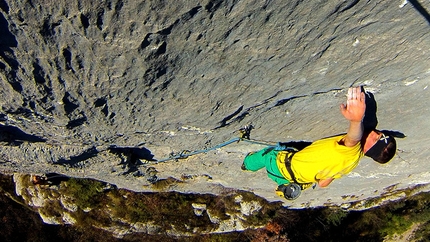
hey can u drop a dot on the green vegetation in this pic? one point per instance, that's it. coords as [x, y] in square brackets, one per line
[102, 205]
[334, 216]
[86, 192]
[401, 215]
[423, 232]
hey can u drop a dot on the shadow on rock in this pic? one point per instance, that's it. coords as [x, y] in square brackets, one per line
[15, 136]
[74, 161]
[49, 179]
[420, 9]
[131, 158]
[370, 120]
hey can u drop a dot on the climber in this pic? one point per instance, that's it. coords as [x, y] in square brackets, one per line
[327, 159]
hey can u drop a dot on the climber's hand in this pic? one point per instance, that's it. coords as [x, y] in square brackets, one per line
[355, 105]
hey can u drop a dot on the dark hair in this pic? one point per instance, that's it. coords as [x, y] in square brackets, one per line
[387, 153]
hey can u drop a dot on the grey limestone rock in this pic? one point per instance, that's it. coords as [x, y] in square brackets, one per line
[99, 88]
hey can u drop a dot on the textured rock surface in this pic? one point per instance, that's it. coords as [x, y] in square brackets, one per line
[62, 203]
[80, 76]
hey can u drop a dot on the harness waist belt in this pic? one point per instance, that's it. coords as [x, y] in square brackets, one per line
[283, 161]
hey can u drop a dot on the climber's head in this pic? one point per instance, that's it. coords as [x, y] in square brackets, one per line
[379, 146]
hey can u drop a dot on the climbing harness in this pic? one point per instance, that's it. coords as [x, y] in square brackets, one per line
[283, 161]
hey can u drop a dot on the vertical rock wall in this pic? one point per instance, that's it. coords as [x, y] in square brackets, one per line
[80, 76]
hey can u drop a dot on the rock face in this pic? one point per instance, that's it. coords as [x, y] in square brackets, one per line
[93, 89]
[122, 212]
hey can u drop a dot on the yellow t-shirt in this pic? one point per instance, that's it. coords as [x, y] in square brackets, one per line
[323, 159]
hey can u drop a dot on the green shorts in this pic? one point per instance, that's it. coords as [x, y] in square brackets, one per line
[265, 158]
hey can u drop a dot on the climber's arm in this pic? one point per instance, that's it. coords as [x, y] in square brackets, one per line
[354, 112]
[325, 182]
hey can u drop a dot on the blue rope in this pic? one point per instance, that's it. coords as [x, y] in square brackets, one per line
[185, 154]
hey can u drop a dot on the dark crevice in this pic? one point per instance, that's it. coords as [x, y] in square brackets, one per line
[74, 161]
[25, 112]
[48, 28]
[213, 5]
[152, 75]
[105, 110]
[70, 103]
[149, 77]
[161, 49]
[267, 18]
[14, 83]
[285, 100]
[15, 136]
[8, 58]
[190, 14]
[266, 3]
[85, 21]
[161, 34]
[145, 43]
[165, 84]
[3, 117]
[168, 30]
[161, 72]
[328, 91]
[39, 74]
[240, 117]
[370, 120]
[76, 122]
[349, 4]
[241, 113]
[99, 21]
[226, 34]
[4, 6]
[321, 53]
[8, 41]
[68, 58]
[118, 6]
[344, 6]
[109, 5]
[224, 121]
[100, 102]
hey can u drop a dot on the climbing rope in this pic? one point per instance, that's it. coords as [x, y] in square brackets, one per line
[245, 137]
[185, 154]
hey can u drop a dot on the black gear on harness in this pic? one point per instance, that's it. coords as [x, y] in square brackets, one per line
[289, 191]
